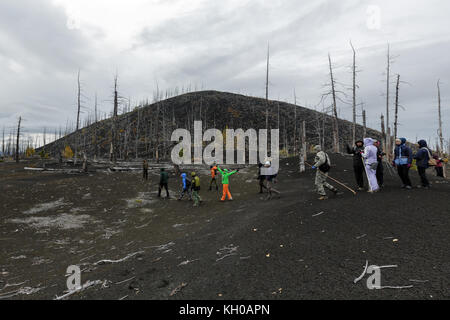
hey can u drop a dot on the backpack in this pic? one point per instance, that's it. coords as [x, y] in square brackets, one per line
[325, 167]
[431, 161]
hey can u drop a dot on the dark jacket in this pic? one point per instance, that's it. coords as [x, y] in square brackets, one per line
[403, 151]
[164, 178]
[422, 156]
[380, 155]
[356, 152]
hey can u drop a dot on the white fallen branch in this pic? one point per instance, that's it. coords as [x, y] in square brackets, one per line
[187, 262]
[125, 280]
[33, 169]
[392, 287]
[318, 214]
[83, 287]
[364, 272]
[117, 261]
[178, 289]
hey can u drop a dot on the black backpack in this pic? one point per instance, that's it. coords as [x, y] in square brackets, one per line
[325, 167]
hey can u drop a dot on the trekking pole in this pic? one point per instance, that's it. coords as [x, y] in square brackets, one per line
[389, 167]
[338, 182]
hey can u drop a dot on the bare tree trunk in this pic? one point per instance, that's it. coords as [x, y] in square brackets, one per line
[114, 135]
[295, 123]
[267, 88]
[3, 142]
[396, 108]
[18, 137]
[441, 138]
[137, 133]
[78, 118]
[388, 128]
[364, 124]
[335, 115]
[303, 152]
[354, 96]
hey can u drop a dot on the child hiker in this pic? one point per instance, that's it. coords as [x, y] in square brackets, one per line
[225, 182]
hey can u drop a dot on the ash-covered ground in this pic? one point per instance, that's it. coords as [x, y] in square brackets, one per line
[294, 247]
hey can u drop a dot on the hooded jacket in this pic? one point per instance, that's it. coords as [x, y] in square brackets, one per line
[195, 183]
[356, 152]
[422, 155]
[225, 175]
[403, 151]
[370, 152]
[185, 181]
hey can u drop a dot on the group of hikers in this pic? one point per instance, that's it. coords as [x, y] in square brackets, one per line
[191, 186]
[368, 158]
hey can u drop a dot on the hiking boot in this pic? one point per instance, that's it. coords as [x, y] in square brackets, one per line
[408, 187]
[323, 198]
[404, 186]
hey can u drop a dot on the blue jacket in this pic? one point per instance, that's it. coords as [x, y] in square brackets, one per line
[183, 177]
[422, 156]
[403, 151]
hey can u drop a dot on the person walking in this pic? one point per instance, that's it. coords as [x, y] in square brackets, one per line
[195, 185]
[226, 183]
[402, 161]
[422, 157]
[439, 166]
[380, 168]
[270, 180]
[186, 185]
[261, 179]
[213, 177]
[145, 170]
[371, 164]
[322, 164]
[358, 166]
[163, 182]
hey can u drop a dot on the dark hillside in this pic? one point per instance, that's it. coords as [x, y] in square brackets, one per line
[148, 128]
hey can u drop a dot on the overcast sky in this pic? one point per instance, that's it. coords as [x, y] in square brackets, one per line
[221, 45]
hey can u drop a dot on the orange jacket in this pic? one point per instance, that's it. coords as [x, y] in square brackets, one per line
[213, 172]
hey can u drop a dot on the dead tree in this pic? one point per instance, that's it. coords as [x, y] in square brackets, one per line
[18, 137]
[295, 123]
[303, 151]
[267, 88]
[335, 115]
[137, 132]
[441, 138]
[78, 101]
[354, 95]
[114, 127]
[396, 107]
[3, 142]
[388, 142]
[78, 117]
[364, 123]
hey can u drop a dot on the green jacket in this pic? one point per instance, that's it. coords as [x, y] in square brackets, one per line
[225, 175]
[164, 178]
[195, 183]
